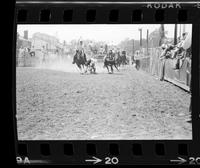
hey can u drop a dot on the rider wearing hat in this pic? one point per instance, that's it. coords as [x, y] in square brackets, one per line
[80, 50]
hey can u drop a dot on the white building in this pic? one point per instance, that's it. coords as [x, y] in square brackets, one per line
[42, 41]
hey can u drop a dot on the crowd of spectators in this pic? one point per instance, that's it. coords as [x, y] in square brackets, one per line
[178, 52]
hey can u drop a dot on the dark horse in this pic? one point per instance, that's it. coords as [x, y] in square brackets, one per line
[121, 59]
[118, 59]
[80, 60]
[124, 60]
[110, 60]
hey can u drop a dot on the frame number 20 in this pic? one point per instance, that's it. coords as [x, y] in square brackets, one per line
[193, 160]
[113, 160]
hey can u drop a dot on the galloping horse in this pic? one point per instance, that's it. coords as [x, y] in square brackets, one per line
[123, 58]
[110, 60]
[80, 60]
[118, 59]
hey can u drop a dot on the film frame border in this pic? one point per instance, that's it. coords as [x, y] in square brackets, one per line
[146, 151]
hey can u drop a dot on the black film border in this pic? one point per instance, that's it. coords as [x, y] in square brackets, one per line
[122, 152]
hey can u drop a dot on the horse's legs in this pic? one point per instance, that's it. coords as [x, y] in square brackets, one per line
[79, 67]
[116, 67]
[111, 67]
[123, 62]
[85, 68]
[82, 68]
[117, 64]
[107, 68]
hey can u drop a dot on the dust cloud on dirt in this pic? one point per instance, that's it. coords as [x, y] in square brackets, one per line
[65, 65]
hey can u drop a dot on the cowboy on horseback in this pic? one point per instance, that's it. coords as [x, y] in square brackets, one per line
[109, 60]
[80, 57]
[109, 56]
[80, 51]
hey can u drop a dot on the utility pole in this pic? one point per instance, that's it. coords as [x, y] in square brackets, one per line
[140, 29]
[175, 34]
[133, 58]
[147, 42]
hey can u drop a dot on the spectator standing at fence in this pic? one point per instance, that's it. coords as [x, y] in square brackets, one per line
[137, 61]
[179, 51]
[20, 55]
[162, 61]
[188, 73]
[187, 46]
[17, 56]
[25, 54]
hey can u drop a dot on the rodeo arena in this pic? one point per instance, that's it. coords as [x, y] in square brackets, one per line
[97, 90]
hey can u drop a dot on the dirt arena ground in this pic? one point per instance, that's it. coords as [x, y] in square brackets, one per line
[130, 104]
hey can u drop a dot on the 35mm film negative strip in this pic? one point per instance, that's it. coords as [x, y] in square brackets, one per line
[106, 83]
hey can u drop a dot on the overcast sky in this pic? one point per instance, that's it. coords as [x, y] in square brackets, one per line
[111, 33]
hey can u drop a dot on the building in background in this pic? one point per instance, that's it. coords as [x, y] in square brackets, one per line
[40, 45]
[42, 41]
[23, 41]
